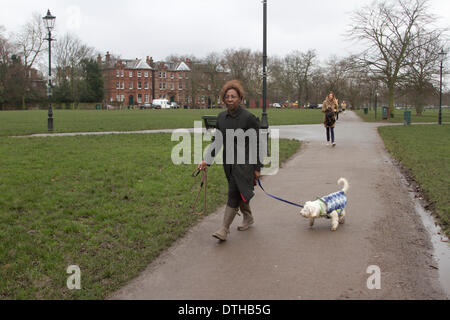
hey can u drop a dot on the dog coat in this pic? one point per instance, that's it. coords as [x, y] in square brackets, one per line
[335, 201]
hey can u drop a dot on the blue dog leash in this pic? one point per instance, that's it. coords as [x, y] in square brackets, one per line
[276, 198]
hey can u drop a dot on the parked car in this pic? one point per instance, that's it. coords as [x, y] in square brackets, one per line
[276, 105]
[313, 106]
[174, 105]
[145, 106]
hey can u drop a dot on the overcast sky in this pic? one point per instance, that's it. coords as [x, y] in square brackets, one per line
[159, 28]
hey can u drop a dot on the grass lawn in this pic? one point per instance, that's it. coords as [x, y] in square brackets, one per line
[29, 122]
[425, 150]
[109, 204]
[428, 115]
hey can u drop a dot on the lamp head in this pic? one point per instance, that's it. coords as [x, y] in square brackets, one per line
[49, 21]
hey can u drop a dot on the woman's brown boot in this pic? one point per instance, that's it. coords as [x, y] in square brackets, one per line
[248, 218]
[228, 218]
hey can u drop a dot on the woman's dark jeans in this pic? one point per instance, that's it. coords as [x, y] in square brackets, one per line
[328, 134]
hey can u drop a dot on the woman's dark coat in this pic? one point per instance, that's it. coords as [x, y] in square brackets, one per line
[243, 174]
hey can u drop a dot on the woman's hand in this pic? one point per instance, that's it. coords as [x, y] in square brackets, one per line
[202, 166]
[257, 175]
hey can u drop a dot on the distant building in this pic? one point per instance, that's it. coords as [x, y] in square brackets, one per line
[136, 82]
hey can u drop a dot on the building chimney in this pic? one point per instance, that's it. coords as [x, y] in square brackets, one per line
[99, 59]
[108, 57]
[150, 61]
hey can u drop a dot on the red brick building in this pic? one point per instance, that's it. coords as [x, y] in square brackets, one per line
[138, 82]
[126, 82]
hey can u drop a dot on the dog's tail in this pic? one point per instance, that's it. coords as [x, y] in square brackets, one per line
[345, 182]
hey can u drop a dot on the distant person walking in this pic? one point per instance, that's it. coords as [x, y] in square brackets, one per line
[330, 108]
[343, 106]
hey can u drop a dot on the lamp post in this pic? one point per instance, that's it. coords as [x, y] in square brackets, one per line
[376, 104]
[441, 58]
[264, 121]
[49, 24]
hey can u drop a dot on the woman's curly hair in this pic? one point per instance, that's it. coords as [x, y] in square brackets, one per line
[232, 84]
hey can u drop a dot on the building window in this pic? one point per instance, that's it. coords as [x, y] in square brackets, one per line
[139, 85]
[160, 85]
[121, 73]
[164, 85]
[171, 76]
[122, 85]
[131, 85]
[146, 98]
[180, 86]
[172, 86]
[180, 76]
[164, 75]
[209, 87]
[117, 73]
[117, 85]
[146, 74]
[139, 74]
[145, 85]
[160, 74]
[131, 74]
[139, 100]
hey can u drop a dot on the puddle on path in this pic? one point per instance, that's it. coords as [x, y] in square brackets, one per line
[441, 251]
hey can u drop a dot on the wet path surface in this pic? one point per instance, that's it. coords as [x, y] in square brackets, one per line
[281, 257]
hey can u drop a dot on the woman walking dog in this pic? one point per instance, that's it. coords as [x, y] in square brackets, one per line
[240, 176]
[330, 108]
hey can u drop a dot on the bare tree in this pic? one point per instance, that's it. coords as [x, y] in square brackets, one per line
[422, 67]
[336, 73]
[299, 69]
[69, 53]
[390, 29]
[29, 44]
[30, 40]
[246, 66]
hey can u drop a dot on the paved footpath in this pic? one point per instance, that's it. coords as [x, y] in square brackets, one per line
[281, 257]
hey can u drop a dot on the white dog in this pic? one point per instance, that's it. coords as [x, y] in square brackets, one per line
[330, 207]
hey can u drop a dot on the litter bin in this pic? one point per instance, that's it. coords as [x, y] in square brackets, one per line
[366, 110]
[407, 117]
[385, 113]
[98, 106]
[210, 122]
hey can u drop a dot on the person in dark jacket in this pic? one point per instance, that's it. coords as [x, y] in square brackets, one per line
[242, 169]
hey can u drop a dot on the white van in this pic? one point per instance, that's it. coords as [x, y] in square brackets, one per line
[161, 104]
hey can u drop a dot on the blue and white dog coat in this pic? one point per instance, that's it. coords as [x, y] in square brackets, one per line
[335, 201]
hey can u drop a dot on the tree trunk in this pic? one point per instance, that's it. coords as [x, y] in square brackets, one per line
[391, 99]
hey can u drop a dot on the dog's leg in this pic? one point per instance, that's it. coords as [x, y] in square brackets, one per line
[311, 222]
[342, 217]
[334, 220]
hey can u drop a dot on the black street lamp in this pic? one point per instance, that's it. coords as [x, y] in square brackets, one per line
[264, 121]
[441, 58]
[49, 24]
[376, 103]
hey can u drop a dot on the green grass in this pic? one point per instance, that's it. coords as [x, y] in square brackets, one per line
[428, 115]
[425, 150]
[29, 122]
[109, 204]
